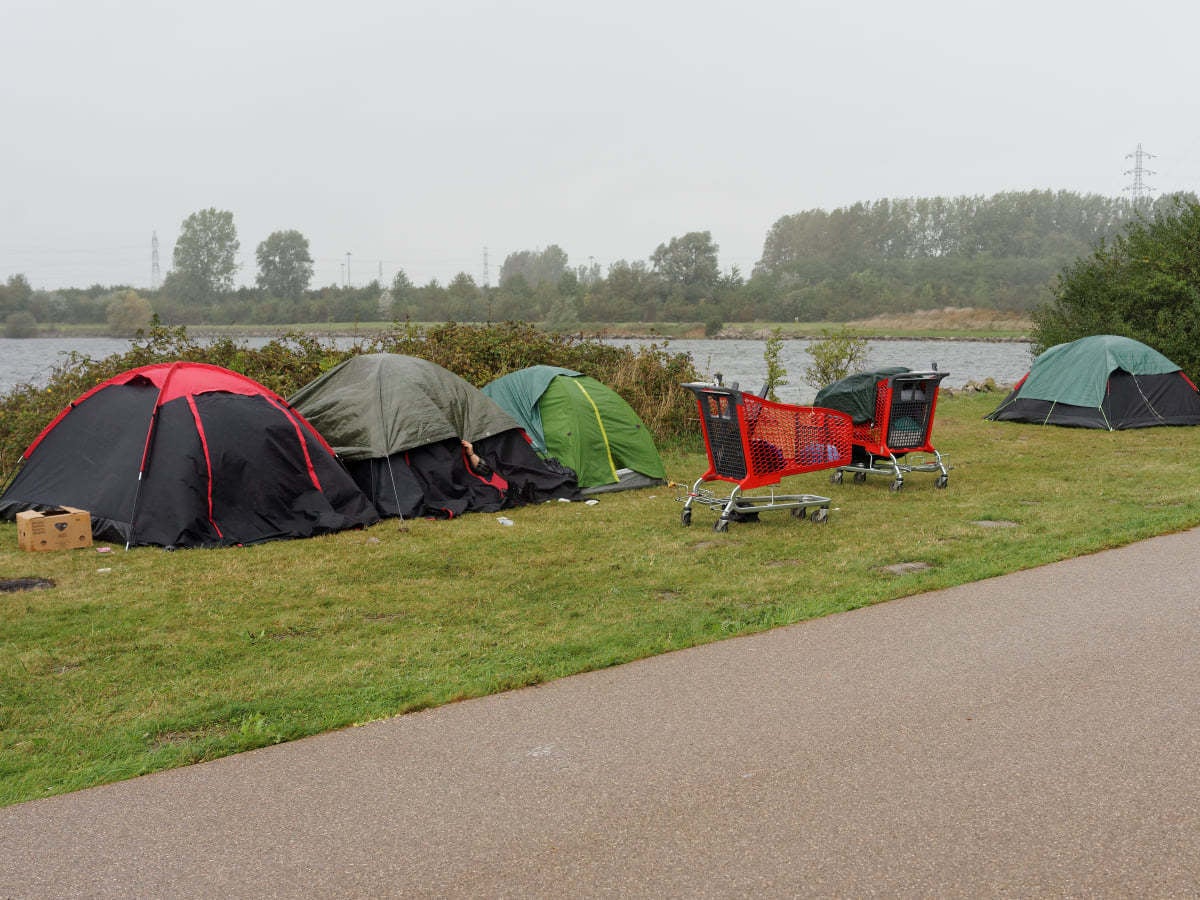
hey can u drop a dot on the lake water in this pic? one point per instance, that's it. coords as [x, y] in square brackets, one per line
[742, 361]
[31, 361]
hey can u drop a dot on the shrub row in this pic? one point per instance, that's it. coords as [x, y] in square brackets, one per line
[649, 378]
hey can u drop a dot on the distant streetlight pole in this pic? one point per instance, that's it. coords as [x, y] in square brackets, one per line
[348, 268]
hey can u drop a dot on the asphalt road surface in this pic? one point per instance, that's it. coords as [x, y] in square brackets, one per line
[1032, 735]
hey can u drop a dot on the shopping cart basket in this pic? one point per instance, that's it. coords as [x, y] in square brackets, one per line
[904, 406]
[754, 443]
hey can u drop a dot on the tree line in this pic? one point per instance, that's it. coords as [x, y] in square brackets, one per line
[888, 256]
[1143, 283]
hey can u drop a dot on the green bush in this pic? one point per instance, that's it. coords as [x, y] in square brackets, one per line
[1144, 284]
[776, 373]
[20, 325]
[836, 355]
[127, 313]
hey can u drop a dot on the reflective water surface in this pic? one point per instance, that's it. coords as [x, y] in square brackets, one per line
[33, 360]
[742, 361]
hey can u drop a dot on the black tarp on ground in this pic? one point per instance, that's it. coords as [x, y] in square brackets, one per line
[432, 480]
[436, 479]
[188, 455]
[531, 479]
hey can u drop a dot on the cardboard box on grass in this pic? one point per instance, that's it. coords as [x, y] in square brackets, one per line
[63, 528]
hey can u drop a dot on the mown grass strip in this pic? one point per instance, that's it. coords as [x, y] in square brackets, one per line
[172, 658]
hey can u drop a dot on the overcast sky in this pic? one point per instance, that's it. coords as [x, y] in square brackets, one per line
[413, 134]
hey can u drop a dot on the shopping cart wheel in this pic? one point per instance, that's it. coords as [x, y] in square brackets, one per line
[799, 512]
[685, 517]
[942, 481]
[860, 477]
[721, 524]
[836, 477]
[897, 485]
[820, 515]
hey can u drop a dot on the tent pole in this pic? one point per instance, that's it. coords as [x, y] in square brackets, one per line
[391, 474]
[395, 494]
[137, 490]
[11, 476]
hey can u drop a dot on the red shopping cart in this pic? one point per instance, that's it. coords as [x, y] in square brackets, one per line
[903, 405]
[754, 443]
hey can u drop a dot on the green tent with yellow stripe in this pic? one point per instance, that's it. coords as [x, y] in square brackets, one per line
[582, 423]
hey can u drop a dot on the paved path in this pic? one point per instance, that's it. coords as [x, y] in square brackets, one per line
[1033, 735]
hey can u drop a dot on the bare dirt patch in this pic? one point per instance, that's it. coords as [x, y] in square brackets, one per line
[906, 568]
[12, 585]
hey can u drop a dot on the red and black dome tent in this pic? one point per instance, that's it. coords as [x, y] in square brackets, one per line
[188, 455]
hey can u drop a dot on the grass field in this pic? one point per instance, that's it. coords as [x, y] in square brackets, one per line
[140, 661]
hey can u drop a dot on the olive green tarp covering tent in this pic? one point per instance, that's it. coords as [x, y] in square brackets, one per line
[583, 423]
[855, 394]
[377, 404]
[1102, 381]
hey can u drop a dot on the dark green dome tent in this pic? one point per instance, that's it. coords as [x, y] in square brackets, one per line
[584, 424]
[1103, 381]
[399, 422]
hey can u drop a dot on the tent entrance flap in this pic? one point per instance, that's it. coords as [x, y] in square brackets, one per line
[208, 472]
[150, 429]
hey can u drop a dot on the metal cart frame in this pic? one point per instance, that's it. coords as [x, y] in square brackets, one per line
[904, 410]
[754, 443]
